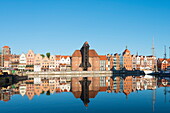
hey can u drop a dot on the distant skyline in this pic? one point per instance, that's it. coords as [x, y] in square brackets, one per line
[62, 26]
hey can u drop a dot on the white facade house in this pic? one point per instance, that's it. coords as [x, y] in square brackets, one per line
[65, 63]
[22, 89]
[37, 80]
[138, 60]
[134, 61]
[65, 87]
[37, 68]
[22, 61]
[65, 60]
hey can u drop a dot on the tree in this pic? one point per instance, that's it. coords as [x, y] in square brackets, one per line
[42, 92]
[43, 55]
[48, 55]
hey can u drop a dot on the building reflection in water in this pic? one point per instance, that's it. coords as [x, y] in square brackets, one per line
[84, 88]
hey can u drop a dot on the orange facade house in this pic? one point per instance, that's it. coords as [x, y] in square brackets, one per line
[103, 63]
[116, 61]
[151, 62]
[37, 59]
[109, 62]
[45, 64]
[30, 90]
[14, 61]
[127, 85]
[38, 89]
[127, 60]
[163, 63]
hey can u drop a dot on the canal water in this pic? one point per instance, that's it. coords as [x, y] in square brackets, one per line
[118, 94]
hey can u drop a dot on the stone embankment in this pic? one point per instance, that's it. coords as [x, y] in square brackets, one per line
[71, 73]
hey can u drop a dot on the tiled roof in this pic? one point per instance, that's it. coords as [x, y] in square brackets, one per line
[76, 94]
[162, 59]
[65, 56]
[63, 64]
[58, 57]
[6, 47]
[126, 51]
[92, 94]
[103, 57]
[126, 92]
[76, 53]
[92, 53]
[168, 60]
[103, 88]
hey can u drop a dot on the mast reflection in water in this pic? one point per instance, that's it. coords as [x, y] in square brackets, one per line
[135, 88]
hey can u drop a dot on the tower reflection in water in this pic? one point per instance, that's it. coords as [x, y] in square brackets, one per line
[84, 88]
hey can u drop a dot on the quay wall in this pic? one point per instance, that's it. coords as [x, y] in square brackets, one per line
[70, 74]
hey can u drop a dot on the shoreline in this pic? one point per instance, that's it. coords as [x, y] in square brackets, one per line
[70, 74]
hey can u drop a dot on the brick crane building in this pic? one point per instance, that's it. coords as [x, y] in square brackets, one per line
[94, 60]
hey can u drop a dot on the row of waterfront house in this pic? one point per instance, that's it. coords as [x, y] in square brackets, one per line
[36, 62]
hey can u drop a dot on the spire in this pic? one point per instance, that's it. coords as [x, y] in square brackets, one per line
[126, 47]
[86, 42]
[137, 53]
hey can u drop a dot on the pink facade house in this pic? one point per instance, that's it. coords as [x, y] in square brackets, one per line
[37, 62]
[58, 57]
[52, 63]
[45, 64]
[30, 57]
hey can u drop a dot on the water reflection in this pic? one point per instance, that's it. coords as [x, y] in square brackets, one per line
[83, 87]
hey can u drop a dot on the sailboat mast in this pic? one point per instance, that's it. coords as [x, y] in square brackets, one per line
[154, 60]
[165, 52]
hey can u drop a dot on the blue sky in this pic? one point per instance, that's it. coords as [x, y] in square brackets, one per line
[61, 26]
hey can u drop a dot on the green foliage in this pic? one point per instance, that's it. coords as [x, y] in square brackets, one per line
[42, 92]
[29, 65]
[43, 55]
[48, 92]
[48, 55]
